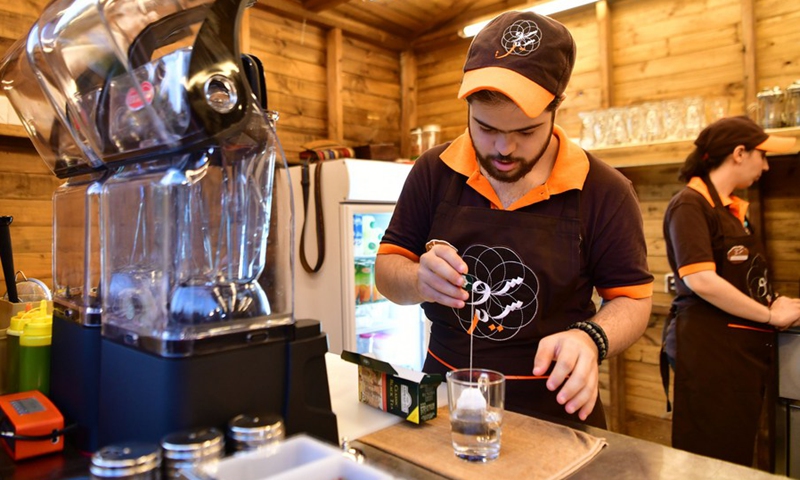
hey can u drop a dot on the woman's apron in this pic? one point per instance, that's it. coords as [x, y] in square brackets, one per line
[723, 361]
[524, 273]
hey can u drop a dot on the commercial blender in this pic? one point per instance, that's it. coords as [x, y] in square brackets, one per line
[173, 270]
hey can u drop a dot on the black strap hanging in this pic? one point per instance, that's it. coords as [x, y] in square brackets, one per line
[320, 223]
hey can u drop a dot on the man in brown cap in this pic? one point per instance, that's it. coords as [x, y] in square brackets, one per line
[504, 233]
[724, 317]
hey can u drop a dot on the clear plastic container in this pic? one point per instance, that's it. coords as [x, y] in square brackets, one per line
[299, 457]
[76, 249]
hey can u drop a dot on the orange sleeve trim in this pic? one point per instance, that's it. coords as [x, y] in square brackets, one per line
[388, 248]
[696, 267]
[631, 291]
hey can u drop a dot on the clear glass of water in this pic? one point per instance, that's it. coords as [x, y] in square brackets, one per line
[476, 397]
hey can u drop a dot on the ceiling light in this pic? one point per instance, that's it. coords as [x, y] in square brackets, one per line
[547, 8]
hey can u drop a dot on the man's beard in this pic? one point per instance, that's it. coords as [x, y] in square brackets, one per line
[524, 165]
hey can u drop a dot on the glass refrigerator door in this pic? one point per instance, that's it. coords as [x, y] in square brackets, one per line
[373, 325]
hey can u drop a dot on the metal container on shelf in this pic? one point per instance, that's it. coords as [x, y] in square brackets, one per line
[792, 107]
[770, 107]
[430, 136]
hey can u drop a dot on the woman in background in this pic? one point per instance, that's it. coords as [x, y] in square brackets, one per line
[725, 313]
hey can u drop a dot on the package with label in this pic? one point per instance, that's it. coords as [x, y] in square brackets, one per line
[402, 392]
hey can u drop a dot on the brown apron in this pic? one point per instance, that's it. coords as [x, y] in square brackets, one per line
[524, 268]
[722, 361]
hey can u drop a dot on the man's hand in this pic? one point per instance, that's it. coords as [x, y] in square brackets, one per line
[439, 278]
[576, 370]
[785, 313]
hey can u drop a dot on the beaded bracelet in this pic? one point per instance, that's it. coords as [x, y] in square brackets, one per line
[597, 334]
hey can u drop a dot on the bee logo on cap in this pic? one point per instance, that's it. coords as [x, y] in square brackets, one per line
[521, 38]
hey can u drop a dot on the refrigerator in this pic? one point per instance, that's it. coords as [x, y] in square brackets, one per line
[356, 199]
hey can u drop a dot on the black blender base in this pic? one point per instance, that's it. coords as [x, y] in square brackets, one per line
[144, 397]
[74, 379]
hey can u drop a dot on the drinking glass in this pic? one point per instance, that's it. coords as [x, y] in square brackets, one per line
[476, 397]
[635, 120]
[673, 119]
[587, 140]
[695, 119]
[653, 122]
[716, 108]
[618, 131]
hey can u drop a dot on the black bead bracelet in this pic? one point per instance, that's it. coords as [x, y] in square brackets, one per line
[597, 334]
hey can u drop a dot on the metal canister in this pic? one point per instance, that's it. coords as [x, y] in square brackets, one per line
[792, 116]
[198, 449]
[770, 107]
[128, 461]
[253, 432]
[430, 136]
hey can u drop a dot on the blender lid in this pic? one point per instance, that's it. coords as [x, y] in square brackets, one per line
[88, 80]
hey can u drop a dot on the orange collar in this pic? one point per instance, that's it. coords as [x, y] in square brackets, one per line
[569, 171]
[736, 205]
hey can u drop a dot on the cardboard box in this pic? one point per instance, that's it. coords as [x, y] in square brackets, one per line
[399, 391]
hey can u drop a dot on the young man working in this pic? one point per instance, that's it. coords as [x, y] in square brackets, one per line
[503, 233]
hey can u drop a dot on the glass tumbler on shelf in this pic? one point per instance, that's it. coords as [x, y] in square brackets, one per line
[618, 127]
[653, 121]
[600, 129]
[635, 120]
[716, 108]
[673, 118]
[587, 140]
[695, 118]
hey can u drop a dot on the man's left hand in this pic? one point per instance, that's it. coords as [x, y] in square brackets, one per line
[576, 370]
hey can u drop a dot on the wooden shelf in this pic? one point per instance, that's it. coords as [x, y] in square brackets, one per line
[13, 131]
[667, 152]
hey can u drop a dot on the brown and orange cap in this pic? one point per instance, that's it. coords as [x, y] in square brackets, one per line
[723, 136]
[526, 56]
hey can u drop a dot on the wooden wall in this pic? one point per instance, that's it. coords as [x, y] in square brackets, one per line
[26, 184]
[296, 57]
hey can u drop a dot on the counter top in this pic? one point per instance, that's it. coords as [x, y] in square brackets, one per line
[623, 458]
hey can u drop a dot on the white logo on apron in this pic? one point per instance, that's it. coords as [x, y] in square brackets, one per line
[504, 293]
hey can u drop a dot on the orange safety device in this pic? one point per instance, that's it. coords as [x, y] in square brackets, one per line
[31, 425]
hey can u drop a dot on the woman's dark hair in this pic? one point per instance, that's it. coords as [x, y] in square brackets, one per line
[699, 164]
[492, 97]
